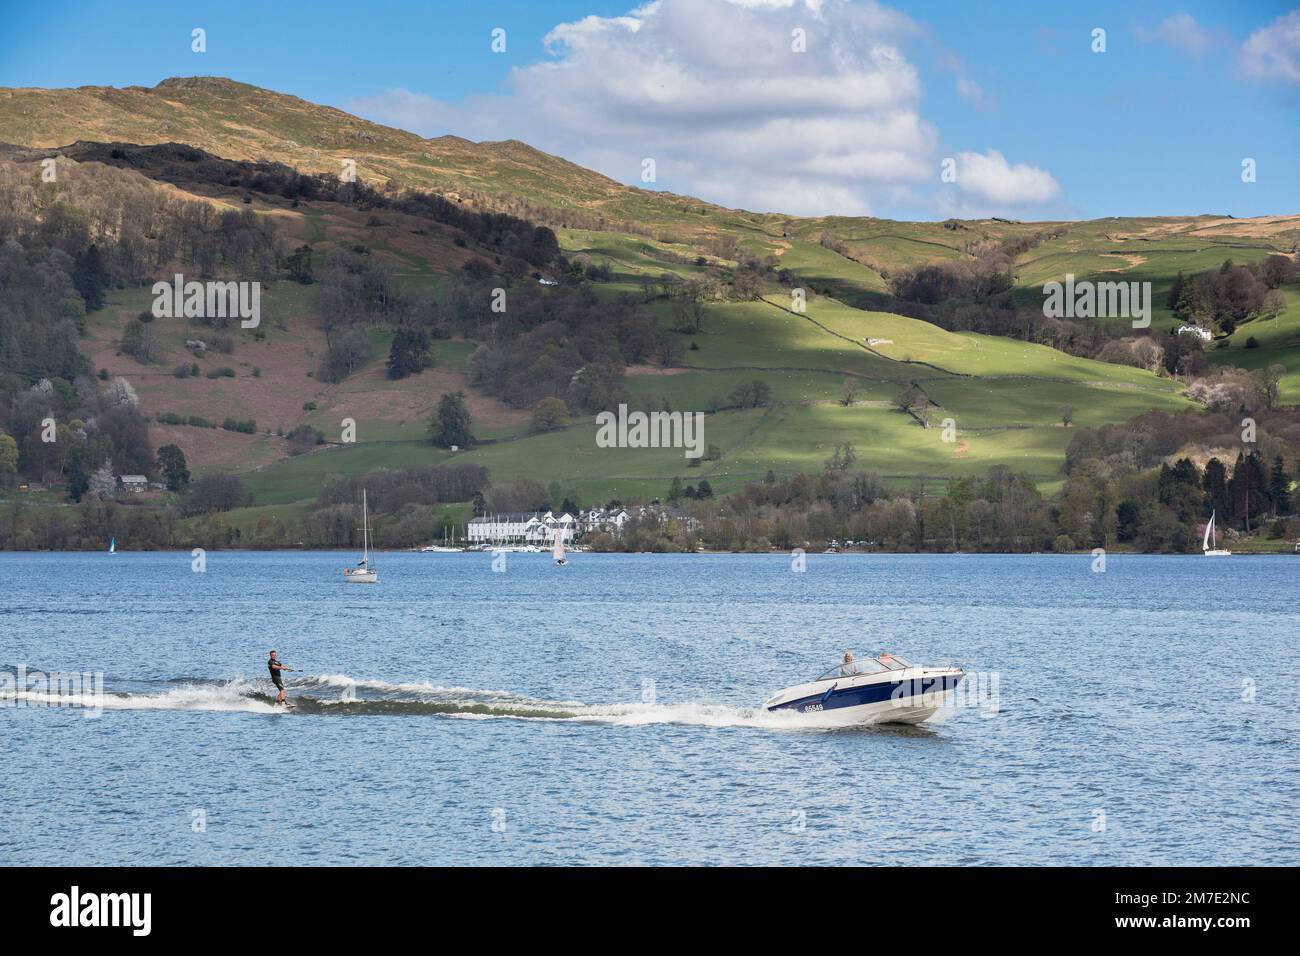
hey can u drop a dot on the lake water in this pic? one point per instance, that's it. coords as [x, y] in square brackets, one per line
[606, 712]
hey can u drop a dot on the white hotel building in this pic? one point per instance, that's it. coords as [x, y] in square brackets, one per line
[536, 528]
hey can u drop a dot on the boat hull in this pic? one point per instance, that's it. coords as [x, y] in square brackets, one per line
[361, 577]
[908, 697]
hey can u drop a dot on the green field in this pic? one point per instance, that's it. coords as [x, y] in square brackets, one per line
[1005, 397]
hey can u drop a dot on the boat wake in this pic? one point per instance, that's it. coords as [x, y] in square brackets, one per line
[198, 695]
[339, 695]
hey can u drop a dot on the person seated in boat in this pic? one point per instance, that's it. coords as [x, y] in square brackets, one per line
[849, 667]
[885, 658]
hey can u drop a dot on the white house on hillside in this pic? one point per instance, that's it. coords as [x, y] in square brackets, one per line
[134, 483]
[604, 519]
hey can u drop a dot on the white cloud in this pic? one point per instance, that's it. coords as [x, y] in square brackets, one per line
[1180, 31]
[987, 183]
[1273, 52]
[714, 93]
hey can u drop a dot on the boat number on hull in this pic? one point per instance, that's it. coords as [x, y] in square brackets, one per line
[811, 708]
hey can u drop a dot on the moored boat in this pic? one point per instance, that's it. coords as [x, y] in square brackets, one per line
[365, 572]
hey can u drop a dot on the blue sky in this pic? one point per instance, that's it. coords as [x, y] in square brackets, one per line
[1038, 125]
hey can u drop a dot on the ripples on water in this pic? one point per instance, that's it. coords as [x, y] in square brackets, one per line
[608, 711]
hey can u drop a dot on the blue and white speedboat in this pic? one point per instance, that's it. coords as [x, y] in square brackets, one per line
[884, 689]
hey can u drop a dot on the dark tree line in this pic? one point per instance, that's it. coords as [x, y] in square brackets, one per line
[388, 491]
[500, 233]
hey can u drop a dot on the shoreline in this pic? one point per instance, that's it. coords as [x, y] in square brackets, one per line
[1279, 552]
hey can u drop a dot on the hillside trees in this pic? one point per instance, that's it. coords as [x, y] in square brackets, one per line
[8, 459]
[409, 353]
[355, 292]
[40, 315]
[91, 427]
[549, 414]
[563, 343]
[174, 469]
[298, 264]
[752, 394]
[139, 341]
[1279, 488]
[89, 277]
[505, 235]
[391, 490]
[451, 425]
[1232, 294]
[213, 493]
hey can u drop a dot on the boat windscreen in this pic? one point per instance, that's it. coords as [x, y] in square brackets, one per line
[867, 665]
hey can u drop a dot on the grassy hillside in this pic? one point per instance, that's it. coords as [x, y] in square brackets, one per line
[1004, 396]
[1277, 343]
[238, 121]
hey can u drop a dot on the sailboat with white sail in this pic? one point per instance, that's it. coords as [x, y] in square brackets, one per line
[366, 571]
[558, 551]
[1206, 549]
[112, 546]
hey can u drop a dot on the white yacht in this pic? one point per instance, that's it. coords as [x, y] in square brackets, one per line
[1215, 551]
[366, 571]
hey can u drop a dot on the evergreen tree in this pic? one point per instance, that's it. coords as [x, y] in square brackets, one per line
[1175, 295]
[1128, 518]
[1215, 483]
[175, 470]
[1279, 485]
[1248, 489]
[78, 480]
[451, 424]
[89, 278]
[299, 265]
[1191, 300]
[1186, 473]
[409, 353]
[1166, 485]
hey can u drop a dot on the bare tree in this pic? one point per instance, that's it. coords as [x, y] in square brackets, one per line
[908, 398]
